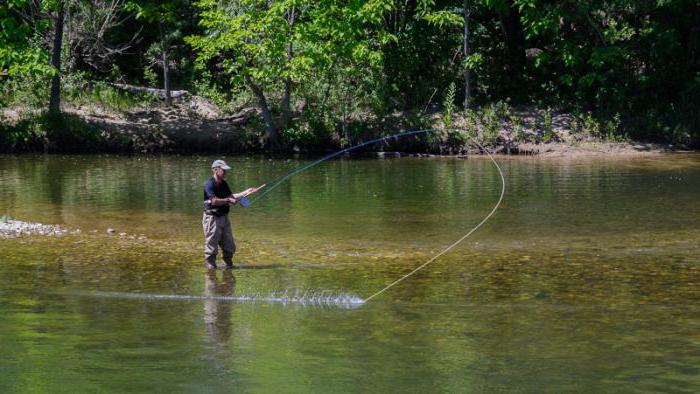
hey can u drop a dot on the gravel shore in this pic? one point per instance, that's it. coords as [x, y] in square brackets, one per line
[14, 228]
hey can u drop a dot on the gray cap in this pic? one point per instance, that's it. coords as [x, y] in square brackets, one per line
[220, 164]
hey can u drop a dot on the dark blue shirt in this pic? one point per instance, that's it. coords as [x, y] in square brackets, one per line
[211, 189]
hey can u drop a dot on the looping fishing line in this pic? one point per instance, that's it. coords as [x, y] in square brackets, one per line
[301, 168]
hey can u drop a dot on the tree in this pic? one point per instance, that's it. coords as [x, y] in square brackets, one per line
[250, 38]
[55, 95]
[90, 33]
[450, 18]
[271, 45]
[168, 16]
[465, 11]
[83, 24]
[345, 43]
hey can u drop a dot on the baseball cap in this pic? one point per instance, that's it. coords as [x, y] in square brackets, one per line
[220, 164]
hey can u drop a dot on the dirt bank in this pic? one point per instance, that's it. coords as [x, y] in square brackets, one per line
[195, 125]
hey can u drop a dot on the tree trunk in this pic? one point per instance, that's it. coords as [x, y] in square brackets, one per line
[287, 98]
[466, 54]
[55, 97]
[166, 78]
[327, 92]
[286, 102]
[514, 38]
[271, 139]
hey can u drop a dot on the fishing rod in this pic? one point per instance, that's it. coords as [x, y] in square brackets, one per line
[314, 163]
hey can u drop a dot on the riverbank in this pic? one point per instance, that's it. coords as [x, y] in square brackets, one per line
[196, 125]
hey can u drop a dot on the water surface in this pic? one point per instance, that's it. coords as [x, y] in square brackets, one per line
[586, 279]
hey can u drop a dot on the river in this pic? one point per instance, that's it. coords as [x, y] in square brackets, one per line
[587, 278]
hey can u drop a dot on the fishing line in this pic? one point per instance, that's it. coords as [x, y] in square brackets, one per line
[274, 184]
[447, 249]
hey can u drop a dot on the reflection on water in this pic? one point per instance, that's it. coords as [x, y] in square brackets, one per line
[217, 314]
[585, 280]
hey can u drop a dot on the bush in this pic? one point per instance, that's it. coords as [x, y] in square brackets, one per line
[517, 132]
[448, 106]
[584, 126]
[546, 128]
[31, 91]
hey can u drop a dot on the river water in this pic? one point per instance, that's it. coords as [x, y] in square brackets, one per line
[586, 279]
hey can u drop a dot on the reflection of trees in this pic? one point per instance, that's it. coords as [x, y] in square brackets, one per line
[54, 190]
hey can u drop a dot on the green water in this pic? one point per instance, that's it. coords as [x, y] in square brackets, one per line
[587, 279]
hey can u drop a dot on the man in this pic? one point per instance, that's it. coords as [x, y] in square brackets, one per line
[217, 227]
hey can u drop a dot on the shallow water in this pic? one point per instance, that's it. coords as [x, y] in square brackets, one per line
[586, 279]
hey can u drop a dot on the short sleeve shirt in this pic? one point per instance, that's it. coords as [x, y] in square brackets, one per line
[212, 189]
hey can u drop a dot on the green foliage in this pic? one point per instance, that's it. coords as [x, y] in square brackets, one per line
[347, 66]
[150, 77]
[448, 106]
[79, 91]
[584, 126]
[303, 136]
[444, 18]
[546, 129]
[516, 124]
[18, 55]
[252, 37]
[111, 98]
[26, 90]
[490, 123]
[611, 129]
[455, 140]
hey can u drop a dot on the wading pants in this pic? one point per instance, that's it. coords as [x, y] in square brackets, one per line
[217, 232]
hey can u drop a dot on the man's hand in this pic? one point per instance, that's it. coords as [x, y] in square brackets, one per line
[254, 190]
[232, 200]
[251, 190]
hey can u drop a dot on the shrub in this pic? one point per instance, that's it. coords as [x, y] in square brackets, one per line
[546, 129]
[584, 126]
[448, 105]
[490, 124]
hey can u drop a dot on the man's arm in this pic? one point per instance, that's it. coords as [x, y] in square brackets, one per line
[218, 202]
[233, 198]
[247, 192]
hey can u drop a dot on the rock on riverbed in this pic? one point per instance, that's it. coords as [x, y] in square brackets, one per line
[15, 228]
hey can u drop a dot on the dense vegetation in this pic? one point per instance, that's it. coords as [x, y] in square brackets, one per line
[329, 72]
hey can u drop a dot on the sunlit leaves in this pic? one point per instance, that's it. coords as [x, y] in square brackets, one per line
[444, 18]
[17, 55]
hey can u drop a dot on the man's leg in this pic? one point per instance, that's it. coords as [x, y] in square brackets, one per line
[212, 235]
[228, 245]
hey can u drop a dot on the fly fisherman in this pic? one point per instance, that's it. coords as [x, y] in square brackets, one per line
[217, 227]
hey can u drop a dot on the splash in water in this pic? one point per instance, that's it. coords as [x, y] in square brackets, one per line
[304, 298]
